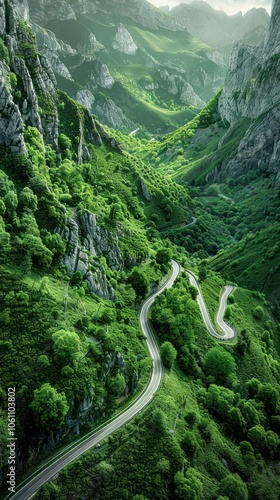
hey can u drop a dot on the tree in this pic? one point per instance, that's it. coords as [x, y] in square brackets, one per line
[49, 407]
[116, 385]
[139, 282]
[191, 418]
[272, 443]
[158, 423]
[11, 202]
[56, 245]
[190, 444]
[67, 346]
[193, 292]
[43, 361]
[269, 395]
[258, 313]
[163, 256]
[188, 485]
[76, 279]
[27, 199]
[202, 273]
[233, 487]
[257, 436]
[220, 364]
[168, 354]
[236, 422]
[253, 386]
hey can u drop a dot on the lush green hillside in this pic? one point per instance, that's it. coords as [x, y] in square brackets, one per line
[207, 431]
[88, 226]
[242, 211]
[150, 68]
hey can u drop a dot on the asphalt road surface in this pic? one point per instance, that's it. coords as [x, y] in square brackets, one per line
[229, 331]
[28, 489]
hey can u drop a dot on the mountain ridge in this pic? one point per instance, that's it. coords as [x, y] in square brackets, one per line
[221, 29]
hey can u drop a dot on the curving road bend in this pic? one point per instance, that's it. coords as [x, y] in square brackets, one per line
[28, 489]
[229, 331]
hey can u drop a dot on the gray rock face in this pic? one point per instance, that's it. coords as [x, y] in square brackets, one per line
[86, 98]
[252, 85]
[86, 240]
[90, 47]
[54, 50]
[189, 97]
[272, 42]
[176, 84]
[148, 59]
[215, 56]
[252, 91]
[46, 10]
[202, 80]
[11, 122]
[2, 17]
[30, 111]
[147, 195]
[110, 114]
[37, 78]
[99, 241]
[141, 12]
[83, 6]
[100, 75]
[123, 42]
[22, 9]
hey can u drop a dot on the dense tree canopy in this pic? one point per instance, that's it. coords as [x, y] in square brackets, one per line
[49, 407]
[233, 487]
[220, 365]
[67, 346]
[168, 354]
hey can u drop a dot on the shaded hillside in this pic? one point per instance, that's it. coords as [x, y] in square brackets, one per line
[129, 63]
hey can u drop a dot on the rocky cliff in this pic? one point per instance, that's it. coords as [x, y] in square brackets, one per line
[252, 92]
[37, 82]
[86, 240]
[88, 55]
[28, 98]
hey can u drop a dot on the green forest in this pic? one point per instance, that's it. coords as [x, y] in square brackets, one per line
[90, 219]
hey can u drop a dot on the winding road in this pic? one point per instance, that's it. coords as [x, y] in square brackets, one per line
[230, 332]
[29, 487]
[47, 471]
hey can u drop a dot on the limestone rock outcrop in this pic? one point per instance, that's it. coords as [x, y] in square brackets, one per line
[11, 122]
[176, 84]
[252, 92]
[100, 75]
[123, 41]
[112, 115]
[86, 98]
[36, 76]
[86, 240]
[215, 27]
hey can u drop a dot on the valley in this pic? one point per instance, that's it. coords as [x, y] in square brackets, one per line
[131, 149]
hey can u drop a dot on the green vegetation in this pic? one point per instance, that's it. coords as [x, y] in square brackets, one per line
[75, 356]
[140, 89]
[197, 439]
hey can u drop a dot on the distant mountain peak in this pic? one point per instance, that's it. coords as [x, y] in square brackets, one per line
[215, 27]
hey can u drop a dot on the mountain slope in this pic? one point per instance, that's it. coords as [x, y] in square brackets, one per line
[215, 27]
[83, 228]
[121, 57]
[74, 222]
[229, 153]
